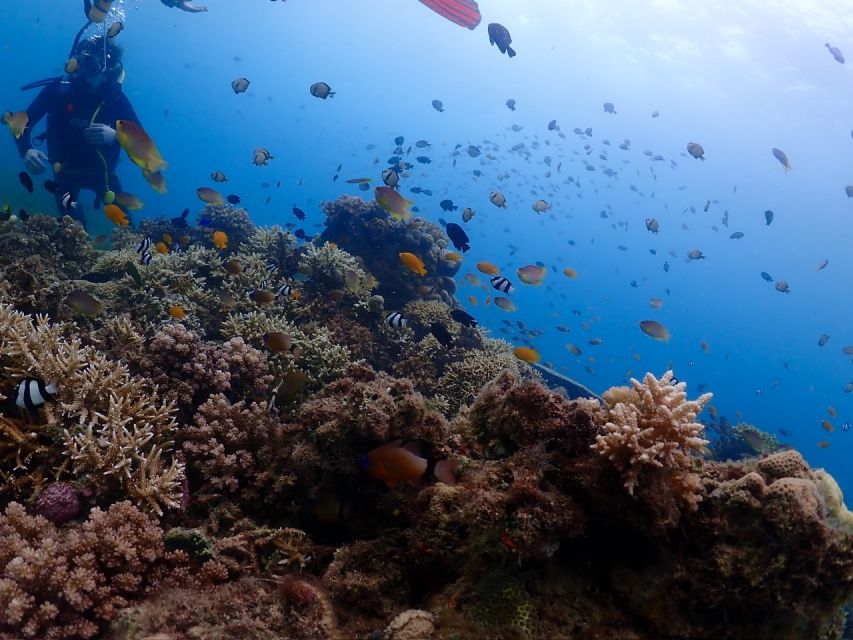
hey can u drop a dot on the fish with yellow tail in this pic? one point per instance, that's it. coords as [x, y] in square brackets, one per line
[17, 122]
[395, 204]
[413, 263]
[139, 146]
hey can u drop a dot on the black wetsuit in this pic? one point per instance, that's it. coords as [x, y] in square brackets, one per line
[70, 109]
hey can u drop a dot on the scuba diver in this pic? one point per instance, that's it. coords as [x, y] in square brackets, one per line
[183, 5]
[82, 107]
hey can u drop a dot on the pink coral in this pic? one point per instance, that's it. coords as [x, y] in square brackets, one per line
[237, 449]
[58, 584]
[190, 369]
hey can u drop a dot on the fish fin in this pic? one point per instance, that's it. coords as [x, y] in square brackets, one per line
[510, 52]
[413, 447]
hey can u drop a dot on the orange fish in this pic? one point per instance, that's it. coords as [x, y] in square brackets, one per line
[470, 277]
[573, 349]
[505, 303]
[392, 464]
[488, 268]
[220, 240]
[827, 426]
[116, 215]
[472, 300]
[452, 256]
[139, 146]
[831, 411]
[413, 263]
[570, 273]
[531, 274]
[177, 312]
[393, 203]
[161, 248]
[167, 238]
[531, 356]
[823, 444]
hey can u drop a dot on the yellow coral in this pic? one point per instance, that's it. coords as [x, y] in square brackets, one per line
[653, 424]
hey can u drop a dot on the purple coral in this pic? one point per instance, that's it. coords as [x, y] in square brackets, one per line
[59, 503]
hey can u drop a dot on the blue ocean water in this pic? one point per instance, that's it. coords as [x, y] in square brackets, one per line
[738, 79]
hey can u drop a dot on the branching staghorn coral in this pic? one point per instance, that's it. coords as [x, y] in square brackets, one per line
[653, 425]
[112, 427]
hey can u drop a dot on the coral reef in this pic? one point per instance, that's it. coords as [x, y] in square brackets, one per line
[198, 475]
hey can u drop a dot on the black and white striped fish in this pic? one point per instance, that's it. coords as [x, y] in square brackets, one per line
[144, 245]
[285, 291]
[33, 393]
[145, 258]
[396, 319]
[272, 266]
[501, 284]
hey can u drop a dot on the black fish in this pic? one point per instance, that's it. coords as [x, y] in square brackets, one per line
[498, 35]
[399, 140]
[233, 199]
[26, 181]
[463, 317]
[457, 236]
[767, 276]
[181, 220]
[447, 205]
[50, 186]
[423, 159]
[299, 213]
[300, 233]
[440, 332]
[768, 215]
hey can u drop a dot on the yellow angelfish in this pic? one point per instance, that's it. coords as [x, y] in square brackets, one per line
[393, 203]
[139, 146]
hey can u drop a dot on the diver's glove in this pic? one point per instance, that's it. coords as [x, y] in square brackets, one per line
[99, 134]
[35, 161]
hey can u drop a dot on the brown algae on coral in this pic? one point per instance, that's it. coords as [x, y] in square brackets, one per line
[300, 468]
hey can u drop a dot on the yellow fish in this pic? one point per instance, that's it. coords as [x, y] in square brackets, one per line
[220, 240]
[177, 312]
[413, 263]
[531, 356]
[129, 201]
[116, 215]
[161, 248]
[156, 180]
[393, 203]
[139, 146]
[452, 256]
[210, 196]
[570, 273]
[17, 122]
